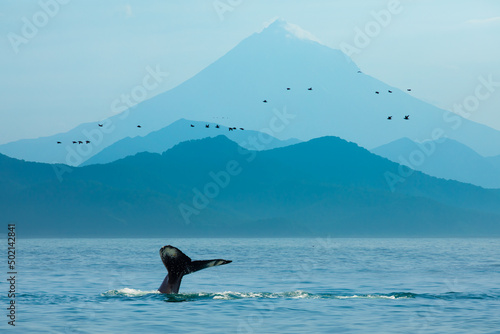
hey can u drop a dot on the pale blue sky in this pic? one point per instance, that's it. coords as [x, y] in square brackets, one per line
[89, 52]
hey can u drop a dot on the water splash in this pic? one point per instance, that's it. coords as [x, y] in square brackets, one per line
[127, 292]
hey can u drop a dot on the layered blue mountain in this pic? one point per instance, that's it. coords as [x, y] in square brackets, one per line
[183, 130]
[495, 161]
[342, 103]
[213, 187]
[446, 159]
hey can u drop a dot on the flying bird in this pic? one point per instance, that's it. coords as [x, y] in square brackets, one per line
[310, 88]
[377, 92]
[87, 142]
[409, 89]
[242, 129]
[80, 142]
[74, 142]
[207, 126]
[217, 126]
[407, 117]
[58, 142]
[389, 117]
[138, 126]
[192, 125]
[230, 129]
[288, 88]
[265, 101]
[100, 125]
[390, 91]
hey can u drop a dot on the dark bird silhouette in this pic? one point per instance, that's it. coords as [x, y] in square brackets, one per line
[87, 142]
[207, 126]
[242, 129]
[360, 72]
[230, 129]
[409, 89]
[310, 88]
[390, 91]
[377, 92]
[407, 117]
[100, 125]
[288, 88]
[265, 101]
[74, 142]
[389, 117]
[58, 142]
[80, 142]
[138, 126]
[192, 125]
[217, 126]
[234, 128]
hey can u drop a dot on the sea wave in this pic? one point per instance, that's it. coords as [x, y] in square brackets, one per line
[137, 294]
[130, 293]
[232, 295]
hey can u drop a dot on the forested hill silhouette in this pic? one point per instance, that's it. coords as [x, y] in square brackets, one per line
[213, 187]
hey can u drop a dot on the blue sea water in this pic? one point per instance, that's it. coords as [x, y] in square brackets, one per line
[321, 285]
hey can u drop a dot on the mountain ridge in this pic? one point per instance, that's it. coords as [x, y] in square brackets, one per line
[179, 131]
[324, 186]
[444, 158]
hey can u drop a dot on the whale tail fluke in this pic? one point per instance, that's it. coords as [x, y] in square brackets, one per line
[199, 265]
[179, 264]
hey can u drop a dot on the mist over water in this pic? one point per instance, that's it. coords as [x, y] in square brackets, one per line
[319, 285]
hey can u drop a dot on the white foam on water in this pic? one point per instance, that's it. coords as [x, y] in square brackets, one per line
[372, 297]
[230, 295]
[129, 292]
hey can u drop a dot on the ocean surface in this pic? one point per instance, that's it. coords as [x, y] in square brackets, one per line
[321, 285]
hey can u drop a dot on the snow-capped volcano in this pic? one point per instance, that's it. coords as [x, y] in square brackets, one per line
[277, 26]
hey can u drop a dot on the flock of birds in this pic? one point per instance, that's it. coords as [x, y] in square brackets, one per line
[218, 127]
[288, 88]
[406, 117]
[234, 128]
[87, 141]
